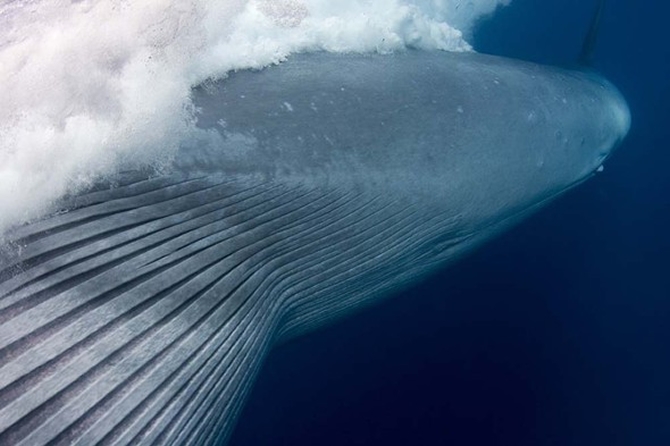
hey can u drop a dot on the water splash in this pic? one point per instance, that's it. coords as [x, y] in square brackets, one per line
[91, 87]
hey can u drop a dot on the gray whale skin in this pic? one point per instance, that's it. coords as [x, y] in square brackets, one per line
[140, 312]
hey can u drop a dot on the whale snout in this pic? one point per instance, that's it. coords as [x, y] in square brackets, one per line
[621, 115]
[618, 116]
[608, 122]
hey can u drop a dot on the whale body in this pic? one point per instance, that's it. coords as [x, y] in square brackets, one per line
[141, 310]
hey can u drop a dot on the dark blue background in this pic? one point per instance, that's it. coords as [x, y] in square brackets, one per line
[555, 334]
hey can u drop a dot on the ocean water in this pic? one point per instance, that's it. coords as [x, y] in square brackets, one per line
[555, 334]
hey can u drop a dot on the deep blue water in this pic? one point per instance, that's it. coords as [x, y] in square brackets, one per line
[557, 333]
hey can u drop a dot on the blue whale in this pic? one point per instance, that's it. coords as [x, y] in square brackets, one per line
[141, 311]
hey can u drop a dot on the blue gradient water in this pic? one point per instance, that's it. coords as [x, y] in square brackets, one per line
[555, 334]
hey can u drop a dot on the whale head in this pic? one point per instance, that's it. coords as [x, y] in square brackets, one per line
[142, 311]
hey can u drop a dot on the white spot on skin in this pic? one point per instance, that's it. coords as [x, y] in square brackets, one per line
[600, 169]
[460, 109]
[288, 106]
[312, 105]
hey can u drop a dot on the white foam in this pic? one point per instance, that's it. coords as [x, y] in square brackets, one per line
[90, 87]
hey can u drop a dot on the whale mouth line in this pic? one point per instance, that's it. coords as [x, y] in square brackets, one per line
[483, 231]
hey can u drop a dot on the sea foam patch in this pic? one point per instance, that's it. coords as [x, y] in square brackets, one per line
[91, 87]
